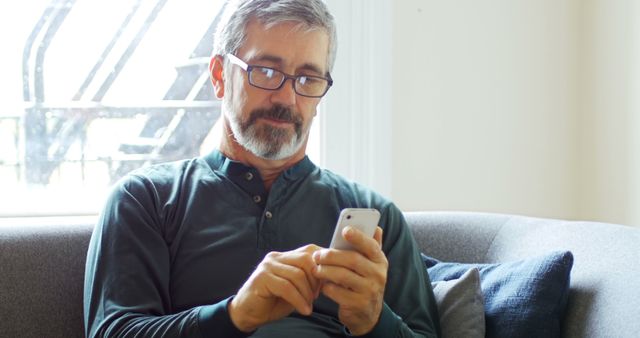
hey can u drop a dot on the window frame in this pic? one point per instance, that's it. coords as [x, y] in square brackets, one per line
[356, 115]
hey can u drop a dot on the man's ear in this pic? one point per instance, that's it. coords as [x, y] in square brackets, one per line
[216, 67]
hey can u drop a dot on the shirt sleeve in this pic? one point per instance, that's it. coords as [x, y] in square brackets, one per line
[126, 291]
[410, 309]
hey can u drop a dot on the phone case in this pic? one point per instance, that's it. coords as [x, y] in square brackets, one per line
[365, 220]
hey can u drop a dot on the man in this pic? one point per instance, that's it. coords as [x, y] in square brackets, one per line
[233, 244]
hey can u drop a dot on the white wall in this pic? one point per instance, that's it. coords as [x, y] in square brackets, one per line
[634, 111]
[517, 106]
[609, 112]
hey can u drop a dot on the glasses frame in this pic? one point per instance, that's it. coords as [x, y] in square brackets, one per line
[249, 68]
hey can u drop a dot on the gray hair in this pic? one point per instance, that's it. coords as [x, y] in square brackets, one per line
[311, 14]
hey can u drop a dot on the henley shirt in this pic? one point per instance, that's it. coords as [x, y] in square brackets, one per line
[177, 240]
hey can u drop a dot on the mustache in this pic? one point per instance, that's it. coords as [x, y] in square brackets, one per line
[276, 112]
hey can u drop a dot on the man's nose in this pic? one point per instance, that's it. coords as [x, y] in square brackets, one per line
[286, 95]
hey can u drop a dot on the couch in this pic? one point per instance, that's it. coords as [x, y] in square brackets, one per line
[42, 267]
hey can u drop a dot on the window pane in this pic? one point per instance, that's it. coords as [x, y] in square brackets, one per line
[93, 89]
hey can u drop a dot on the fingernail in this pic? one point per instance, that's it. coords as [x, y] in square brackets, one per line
[347, 231]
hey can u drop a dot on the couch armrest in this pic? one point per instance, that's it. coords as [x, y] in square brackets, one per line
[42, 264]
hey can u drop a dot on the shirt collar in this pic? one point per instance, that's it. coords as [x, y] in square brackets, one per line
[218, 162]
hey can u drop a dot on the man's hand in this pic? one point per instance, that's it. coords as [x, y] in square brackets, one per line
[281, 283]
[355, 279]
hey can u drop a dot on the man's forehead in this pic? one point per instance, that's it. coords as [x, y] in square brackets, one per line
[281, 62]
[286, 44]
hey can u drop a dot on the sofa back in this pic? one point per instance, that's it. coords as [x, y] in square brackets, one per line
[42, 267]
[604, 299]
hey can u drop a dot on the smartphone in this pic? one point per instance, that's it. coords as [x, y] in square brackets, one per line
[365, 220]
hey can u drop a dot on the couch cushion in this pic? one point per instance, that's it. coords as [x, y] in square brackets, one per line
[524, 298]
[461, 306]
[41, 276]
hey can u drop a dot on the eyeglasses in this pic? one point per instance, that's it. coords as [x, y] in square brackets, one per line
[273, 79]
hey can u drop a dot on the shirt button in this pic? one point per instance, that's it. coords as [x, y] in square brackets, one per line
[248, 176]
[268, 214]
[257, 198]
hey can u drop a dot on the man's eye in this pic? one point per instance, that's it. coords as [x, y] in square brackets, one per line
[267, 72]
[308, 80]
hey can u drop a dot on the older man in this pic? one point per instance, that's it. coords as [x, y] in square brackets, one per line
[234, 243]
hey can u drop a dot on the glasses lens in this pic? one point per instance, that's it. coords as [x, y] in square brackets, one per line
[311, 85]
[267, 78]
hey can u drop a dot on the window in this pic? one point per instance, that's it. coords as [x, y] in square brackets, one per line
[92, 89]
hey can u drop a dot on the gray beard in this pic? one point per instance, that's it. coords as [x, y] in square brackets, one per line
[266, 141]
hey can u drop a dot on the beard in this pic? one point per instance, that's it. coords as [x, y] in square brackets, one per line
[265, 140]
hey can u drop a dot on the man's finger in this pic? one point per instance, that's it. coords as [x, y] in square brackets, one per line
[283, 288]
[378, 236]
[351, 260]
[341, 276]
[303, 259]
[296, 276]
[368, 246]
[339, 294]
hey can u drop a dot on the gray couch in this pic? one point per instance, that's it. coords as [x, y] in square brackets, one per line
[41, 267]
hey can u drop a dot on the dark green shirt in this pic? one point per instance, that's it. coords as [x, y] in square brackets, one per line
[177, 240]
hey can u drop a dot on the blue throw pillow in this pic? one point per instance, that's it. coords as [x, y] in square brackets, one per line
[527, 298]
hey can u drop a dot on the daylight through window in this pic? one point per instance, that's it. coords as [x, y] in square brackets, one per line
[93, 89]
